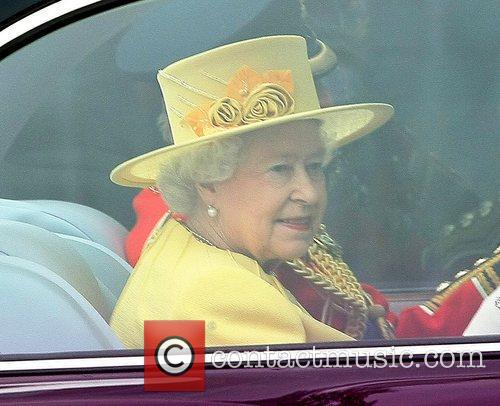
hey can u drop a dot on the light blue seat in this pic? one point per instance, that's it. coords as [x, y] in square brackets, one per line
[43, 247]
[68, 218]
[42, 313]
[108, 268]
[29, 215]
[61, 273]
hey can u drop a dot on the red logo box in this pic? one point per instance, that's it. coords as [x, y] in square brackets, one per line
[174, 355]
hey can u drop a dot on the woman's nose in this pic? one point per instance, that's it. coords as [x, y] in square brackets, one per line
[306, 190]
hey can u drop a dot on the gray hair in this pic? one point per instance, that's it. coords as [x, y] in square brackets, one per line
[211, 162]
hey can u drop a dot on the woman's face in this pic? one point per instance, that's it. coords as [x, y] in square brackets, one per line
[274, 203]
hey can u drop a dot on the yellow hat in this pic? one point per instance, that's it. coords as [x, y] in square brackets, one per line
[239, 88]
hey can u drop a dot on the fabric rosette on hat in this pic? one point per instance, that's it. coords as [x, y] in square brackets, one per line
[240, 88]
[266, 102]
[250, 98]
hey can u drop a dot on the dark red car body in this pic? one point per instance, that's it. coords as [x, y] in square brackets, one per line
[476, 382]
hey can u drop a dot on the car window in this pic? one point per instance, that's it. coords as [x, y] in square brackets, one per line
[410, 205]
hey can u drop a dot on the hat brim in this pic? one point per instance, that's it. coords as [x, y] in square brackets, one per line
[342, 124]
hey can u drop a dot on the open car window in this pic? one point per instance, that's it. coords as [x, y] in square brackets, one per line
[411, 204]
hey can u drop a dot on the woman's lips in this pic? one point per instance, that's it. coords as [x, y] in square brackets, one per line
[296, 223]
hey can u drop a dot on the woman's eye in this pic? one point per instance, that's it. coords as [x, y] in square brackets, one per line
[281, 168]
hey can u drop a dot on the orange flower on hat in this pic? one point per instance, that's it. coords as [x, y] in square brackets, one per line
[249, 97]
[279, 77]
[198, 119]
[242, 83]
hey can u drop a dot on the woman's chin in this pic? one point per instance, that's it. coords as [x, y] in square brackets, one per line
[294, 250]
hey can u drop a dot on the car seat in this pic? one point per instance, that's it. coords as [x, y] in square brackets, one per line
[69, 219]
[43, 247]
[44, 313]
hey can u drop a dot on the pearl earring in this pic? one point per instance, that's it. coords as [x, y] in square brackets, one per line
[212, 211]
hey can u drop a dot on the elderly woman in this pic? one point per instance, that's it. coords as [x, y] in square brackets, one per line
[247, 168]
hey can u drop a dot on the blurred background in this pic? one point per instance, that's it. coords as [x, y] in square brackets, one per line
[410, 204]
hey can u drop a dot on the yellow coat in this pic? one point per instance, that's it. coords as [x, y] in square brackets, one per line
[181, 278]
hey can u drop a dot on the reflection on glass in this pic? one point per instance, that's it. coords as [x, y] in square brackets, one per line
[410, 205]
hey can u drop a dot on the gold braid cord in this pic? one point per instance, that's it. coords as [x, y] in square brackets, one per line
[326, 270]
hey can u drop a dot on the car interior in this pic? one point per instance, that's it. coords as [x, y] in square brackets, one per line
[411, 205]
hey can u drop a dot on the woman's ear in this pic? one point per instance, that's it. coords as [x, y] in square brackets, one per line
[207, 192]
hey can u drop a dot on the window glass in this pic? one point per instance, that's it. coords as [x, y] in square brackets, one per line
[411, 204]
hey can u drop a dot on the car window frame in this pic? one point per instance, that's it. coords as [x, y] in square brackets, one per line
[133, 360]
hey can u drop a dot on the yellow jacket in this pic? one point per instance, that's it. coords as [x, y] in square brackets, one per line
[181, 278]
